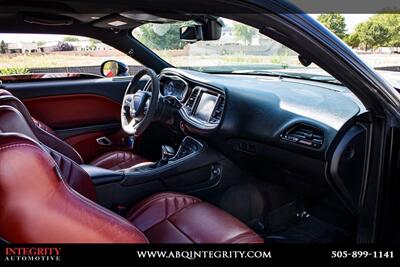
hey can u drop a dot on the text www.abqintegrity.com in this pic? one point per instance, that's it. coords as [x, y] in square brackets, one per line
[204, 254]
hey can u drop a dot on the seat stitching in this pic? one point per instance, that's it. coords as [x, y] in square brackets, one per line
[180, 230]
[241, 237]
[143, 208]
[166, 217]
[166, 207]
[176, 227]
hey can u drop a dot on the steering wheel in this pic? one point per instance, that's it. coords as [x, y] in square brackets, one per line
[140, 105]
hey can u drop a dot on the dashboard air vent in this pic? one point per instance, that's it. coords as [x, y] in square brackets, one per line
[216, 117]
[304, 135]
[192, 99]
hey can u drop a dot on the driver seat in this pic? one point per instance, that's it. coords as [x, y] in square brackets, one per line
[114, 160]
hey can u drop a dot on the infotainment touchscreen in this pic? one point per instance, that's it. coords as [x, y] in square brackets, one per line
[205, 107]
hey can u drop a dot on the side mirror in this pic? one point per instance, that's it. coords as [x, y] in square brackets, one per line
[208, 30]
[112, 68]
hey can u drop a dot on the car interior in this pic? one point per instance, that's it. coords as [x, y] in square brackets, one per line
[172, 155]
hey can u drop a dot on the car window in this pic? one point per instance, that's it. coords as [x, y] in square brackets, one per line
[44, 53]
[240, 47]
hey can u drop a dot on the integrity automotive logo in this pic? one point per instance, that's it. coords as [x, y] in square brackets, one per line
[32, 254]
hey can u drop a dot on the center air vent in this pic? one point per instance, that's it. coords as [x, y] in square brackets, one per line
[217, 115]
[304, 135]
[192, 99]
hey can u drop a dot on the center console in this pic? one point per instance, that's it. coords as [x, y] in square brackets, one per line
[189, 147]
[192, 155]
[193, 167]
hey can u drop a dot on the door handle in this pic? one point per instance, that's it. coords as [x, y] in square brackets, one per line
[104, 141]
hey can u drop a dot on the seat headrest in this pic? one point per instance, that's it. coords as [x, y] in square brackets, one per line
[12, 121]
[46, 138]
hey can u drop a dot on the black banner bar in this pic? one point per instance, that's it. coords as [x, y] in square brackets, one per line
[197, 255]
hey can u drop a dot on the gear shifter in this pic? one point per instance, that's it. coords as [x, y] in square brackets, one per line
[167, 152]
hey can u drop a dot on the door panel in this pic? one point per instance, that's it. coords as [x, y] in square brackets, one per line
[80, 111]
[71, 111]
[88, 148]
[110, 88]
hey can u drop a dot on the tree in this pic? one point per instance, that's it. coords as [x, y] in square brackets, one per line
[160, 36]
[335, 22]
[353, 40]
[380, 30]
[372, 34]
[244, 32]
[391, 21]
[3, 47]
[70, 39]
[64, 46]
[40, 43]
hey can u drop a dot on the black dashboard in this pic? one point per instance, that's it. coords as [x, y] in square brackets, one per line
[200, 105]
[291, 123]
[269, 109]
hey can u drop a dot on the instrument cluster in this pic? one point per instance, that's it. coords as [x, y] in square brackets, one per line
[173, 86]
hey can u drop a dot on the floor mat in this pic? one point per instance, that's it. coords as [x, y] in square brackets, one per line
[308, 229]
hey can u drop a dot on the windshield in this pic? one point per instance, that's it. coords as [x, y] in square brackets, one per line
[242, 49]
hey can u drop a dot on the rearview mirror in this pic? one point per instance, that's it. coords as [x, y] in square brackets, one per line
[191, 33]
[112, 68]
[208, 30]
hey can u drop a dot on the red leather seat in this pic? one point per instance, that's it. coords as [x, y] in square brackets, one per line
[47, 198]
[118, 160]
[112, 160]
[178, 218]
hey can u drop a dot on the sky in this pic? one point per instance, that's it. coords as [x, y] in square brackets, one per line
[351, 21]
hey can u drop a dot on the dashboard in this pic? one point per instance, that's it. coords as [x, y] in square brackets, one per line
[292, 130]
[200, 105]
[295, 115]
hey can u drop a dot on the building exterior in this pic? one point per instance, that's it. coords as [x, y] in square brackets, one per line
[48, 47]
[22, 47]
